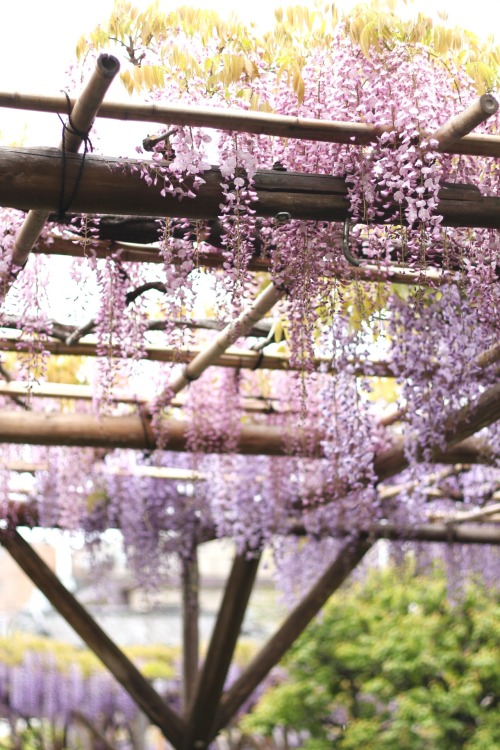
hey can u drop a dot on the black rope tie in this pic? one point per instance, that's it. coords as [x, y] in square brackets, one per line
[87, 146]
[150, 447]
[259, 360]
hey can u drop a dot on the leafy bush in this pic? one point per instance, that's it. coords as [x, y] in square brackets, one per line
[392, 664]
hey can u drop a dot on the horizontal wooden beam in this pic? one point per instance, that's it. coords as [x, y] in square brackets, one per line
[127, 674]
[39, 428]
[243, 121]
[235, 358]
[436, 529]
[86, 430]
[130, 252]
[30, 178]
[438, 532]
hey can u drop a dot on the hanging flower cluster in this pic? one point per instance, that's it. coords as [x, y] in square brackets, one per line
[343, 335]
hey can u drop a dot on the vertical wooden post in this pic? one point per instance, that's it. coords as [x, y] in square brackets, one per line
[81, 119]
[190, 634]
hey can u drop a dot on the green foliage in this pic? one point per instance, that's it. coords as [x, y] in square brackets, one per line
[392, 665]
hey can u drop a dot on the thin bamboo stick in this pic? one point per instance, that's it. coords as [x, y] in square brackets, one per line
[13, 388]
[82, 116]
[29, 467]
[471, 515]
[155, 472]
[329, 131]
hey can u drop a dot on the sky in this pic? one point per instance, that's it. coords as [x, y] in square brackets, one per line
[38, 39]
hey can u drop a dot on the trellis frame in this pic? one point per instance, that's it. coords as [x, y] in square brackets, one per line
[207, 708]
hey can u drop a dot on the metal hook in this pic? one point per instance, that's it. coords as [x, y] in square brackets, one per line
[282, 218]
[345, 245]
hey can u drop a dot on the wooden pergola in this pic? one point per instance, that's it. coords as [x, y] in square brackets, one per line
[30, 179]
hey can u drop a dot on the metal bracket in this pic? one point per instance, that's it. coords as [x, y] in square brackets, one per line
[345, 245]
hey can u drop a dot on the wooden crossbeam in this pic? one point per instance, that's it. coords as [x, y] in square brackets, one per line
[31, 178]
[437, 532]
[86, 430]
[232, 357]
[130, 252]
[484, 411]
[351, 553]
[127, 674]
[201, 716]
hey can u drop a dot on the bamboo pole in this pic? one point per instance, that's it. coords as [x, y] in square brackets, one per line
[200, 719]
[144, 253]
[82, 116]
[347, 559]
[259, 123]
[105, 649]
[31, 178]
[461, 125]
[234, 358]
[469, 515]
[239, 327]
[440, 533]
[250, 404]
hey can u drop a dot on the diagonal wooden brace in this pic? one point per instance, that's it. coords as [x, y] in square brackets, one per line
[349, 556]
[127, 674]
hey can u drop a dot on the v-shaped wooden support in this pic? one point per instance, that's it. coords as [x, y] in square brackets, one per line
[210, 684]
